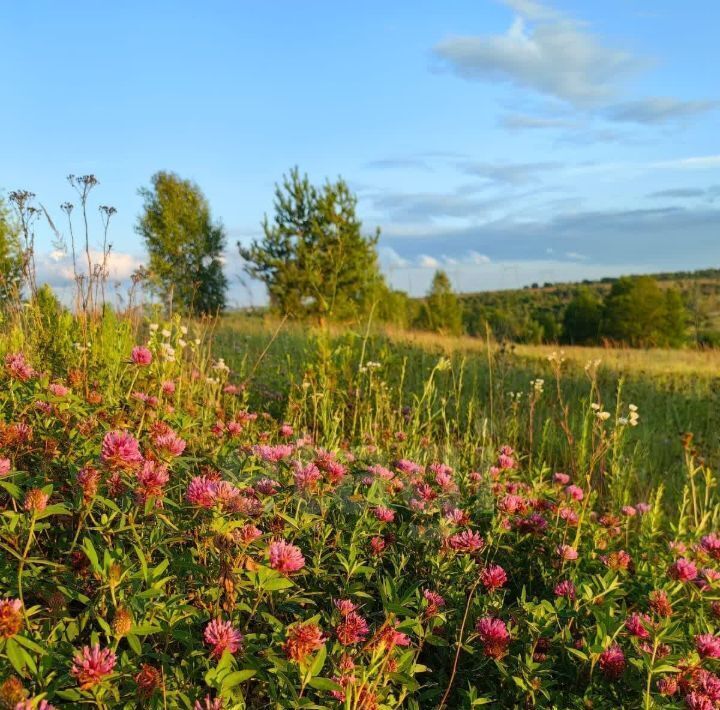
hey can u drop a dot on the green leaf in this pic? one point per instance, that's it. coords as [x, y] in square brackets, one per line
[27, 643]
[319, 661]
[12, 489]
[324, 684]
[15, 655]
[57, 509]
[576, 652]
[275, 585]
[70, 694]
[91, 554]
[134, 643]
[237, 677]
[145, 630]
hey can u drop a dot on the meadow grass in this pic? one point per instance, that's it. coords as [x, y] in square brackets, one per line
[244, 514]
[484, 387]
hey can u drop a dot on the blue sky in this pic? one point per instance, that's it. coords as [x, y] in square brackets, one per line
[507, 142]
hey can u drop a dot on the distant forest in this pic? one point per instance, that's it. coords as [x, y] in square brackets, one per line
[669, 309]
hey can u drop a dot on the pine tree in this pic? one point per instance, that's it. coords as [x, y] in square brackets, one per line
[314, 258]
[184, 244]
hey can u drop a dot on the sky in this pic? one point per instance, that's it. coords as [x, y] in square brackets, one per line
[507, 142]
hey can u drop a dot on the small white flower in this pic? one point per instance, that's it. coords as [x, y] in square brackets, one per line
[154, 327]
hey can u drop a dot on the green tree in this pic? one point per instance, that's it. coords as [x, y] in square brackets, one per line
[676, 318]
[582, 318]
[395, 307]
[442, 311]
[184, 244]
[313, 258]
[10, 256]
[638, 312]
[550, 325]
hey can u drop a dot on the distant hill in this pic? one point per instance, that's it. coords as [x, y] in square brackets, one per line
[535, 313]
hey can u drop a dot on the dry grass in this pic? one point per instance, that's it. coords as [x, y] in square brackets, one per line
[704, 363]
[686, 362]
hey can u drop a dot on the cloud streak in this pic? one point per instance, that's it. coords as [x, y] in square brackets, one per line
[639, 236]
[658, 110]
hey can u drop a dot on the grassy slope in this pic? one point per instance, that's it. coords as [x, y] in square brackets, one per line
[700, 290]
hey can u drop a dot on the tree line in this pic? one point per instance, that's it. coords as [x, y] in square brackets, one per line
[317, 262]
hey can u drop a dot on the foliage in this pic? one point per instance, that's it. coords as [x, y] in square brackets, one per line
[441, 311]
[582, 318]
[377, 542]
[184, 244]
[11, 264]
[636, 311]
[313, 258]
[642, 311]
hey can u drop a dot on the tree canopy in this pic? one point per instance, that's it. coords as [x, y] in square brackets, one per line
[441, 311]
[314, 258]
[582, 318]
[638, 312]
[184, 244]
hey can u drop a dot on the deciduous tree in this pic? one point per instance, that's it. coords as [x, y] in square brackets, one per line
[184, 244]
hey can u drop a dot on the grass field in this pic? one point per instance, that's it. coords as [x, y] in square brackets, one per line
[676, 391]
[249, 514]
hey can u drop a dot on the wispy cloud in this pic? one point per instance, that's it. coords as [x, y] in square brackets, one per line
[422, 206]
[658, 109]
[398, 164]
[510, 173]
[521, 121]
[708, 193]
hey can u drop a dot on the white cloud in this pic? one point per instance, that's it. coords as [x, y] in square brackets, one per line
[477, 258]
[390, 259]
[56, 267]
[425, 261]
[658, 109]
[553, 55]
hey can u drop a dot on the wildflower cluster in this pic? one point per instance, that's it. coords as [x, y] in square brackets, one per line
[166, 547]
